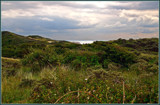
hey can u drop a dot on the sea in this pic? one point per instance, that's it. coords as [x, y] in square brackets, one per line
[82, 41]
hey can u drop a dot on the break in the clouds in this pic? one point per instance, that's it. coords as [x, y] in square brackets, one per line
[82, 20]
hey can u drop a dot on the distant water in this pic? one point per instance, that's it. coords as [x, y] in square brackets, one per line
[82, 41]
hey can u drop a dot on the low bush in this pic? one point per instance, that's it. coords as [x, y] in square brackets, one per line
[39, 59]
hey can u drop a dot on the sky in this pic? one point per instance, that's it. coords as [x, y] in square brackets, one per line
[82, 20]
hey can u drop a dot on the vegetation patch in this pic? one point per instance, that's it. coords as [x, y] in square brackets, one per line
[41, 70]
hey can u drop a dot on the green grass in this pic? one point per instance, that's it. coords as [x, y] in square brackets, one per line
[11, 91]
[107, 86]
[36, 71]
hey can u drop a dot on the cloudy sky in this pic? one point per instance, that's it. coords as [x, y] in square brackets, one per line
[82, 20]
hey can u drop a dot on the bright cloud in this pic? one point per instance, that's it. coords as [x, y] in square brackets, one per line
[82, 19]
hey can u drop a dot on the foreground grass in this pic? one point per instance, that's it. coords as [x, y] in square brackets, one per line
[62, 84]
[11, 91]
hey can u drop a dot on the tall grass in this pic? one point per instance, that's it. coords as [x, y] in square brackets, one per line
[11, 92]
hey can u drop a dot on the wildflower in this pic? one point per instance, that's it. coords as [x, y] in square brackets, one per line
[51, 82]
[86, 79]
[93, 91]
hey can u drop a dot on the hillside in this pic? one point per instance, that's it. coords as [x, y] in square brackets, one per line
[41, 70]
[10, 38]
[16, 46]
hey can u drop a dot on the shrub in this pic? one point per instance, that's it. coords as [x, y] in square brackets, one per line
[114, 53]
[69, 57]
[39, 59]
[94, 60]
[106, 62]
[77, 64]
[120, 55]
[114, 66]
[60, 50]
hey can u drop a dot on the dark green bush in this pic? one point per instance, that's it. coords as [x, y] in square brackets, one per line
[38, 59]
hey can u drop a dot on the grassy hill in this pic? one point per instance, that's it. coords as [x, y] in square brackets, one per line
[17, 45]
[41, 70]
[10, 38]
